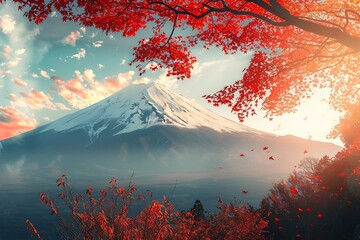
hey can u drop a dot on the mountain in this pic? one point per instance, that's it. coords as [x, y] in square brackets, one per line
[160, 136]
[155, 133]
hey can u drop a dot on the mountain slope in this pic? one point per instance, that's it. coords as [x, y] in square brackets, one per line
[142, 106]
[154, 132]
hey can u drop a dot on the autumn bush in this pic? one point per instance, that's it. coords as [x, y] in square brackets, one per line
[319, 201]
[108, 217]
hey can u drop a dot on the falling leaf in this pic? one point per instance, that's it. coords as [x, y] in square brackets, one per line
[271, 158]
[53, 211]
[245, 192]
[242, 155]
[62, 195]
[293, 191]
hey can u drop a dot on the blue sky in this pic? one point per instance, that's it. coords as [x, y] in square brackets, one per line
[53, 69]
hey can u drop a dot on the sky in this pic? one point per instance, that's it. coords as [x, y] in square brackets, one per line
[50, 70]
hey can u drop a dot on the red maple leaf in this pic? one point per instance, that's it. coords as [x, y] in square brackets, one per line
[293, 190]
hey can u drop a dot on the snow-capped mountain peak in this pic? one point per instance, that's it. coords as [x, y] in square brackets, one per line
[141, 106]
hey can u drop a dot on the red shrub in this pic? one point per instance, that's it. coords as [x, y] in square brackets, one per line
[108, 217]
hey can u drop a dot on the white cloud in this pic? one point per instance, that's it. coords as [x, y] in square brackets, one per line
[34, 75]
[53, 70]
[72, 38]
[20, 51]
[83, 90]
[36, 100]
[83, 29]
[93, 35]
[141, 80]
[98, 44]
[53, 14]
[19, 82]
[100, 66]
[123, 61]
[6, 51]
[80, 54]
[44, 74]
[89, 75]
[62, 106]
[13, 63]
[167, 80]
[3, 72]
[200, 67]
[14, 122]
[7, 24]
[22, 37]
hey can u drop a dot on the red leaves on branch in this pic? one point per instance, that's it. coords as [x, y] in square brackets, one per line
[296, 46]
[32, 229]
[160, 51]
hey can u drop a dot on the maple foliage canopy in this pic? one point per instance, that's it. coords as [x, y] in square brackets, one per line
[297, 46]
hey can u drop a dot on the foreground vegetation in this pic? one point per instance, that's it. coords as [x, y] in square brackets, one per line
[319, 201]
[108, 217]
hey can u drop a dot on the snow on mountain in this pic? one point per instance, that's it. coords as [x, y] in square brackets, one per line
[141, 106]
